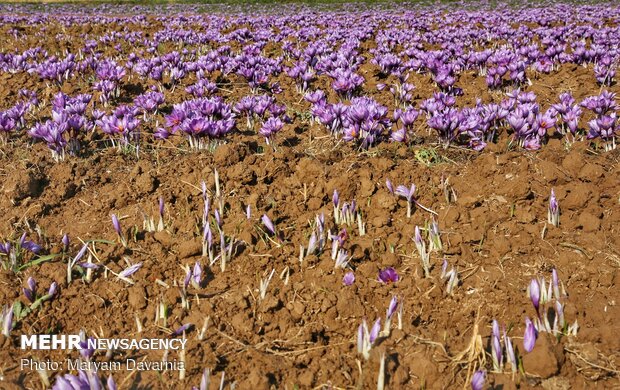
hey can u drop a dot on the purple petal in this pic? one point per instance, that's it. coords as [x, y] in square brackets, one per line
[392, 307]
[360, 336]
[29, 294]
[32, 284]
[348, 279]
[529, 338]
[388, 275]
[374, 332]
[80, 254]
[130, 270]
[535, 293]
[268, 224]
[477, 381]
[65, 242]
[111, 384]
[88, 265]
[31, 246]
[197, 273]
[181, 330]
[116, 224]
[53, 289]
[161, 208]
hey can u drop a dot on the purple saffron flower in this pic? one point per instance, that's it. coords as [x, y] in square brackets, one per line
[496, 356]
[5, 248]
[161, 134]
[80, 254]
[510, 352]
[180, 331]
[188, 278]
[117, 225]
[65, 242]
[270, 128]
[361, 330]
[530, 335]
[417, 236]
[197, 275]
[535, 293]
[374, 331]
[52, 290]
[111, 384]
[388, 275]
[389, 186]
[477, 381]
[348, 279]
[127, 272]
[268, 224]
[556, 283]
[31, 291]
[218, 218]
[161, 207]
[7, 320]
[84, 380]
[85, 349]
[31, 246]
[88, 265]
[553, 213]
[408, 194]
[392, 307]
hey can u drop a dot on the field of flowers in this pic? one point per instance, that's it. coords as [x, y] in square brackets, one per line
[327, 197]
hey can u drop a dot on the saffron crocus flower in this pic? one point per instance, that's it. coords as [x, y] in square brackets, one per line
[553, 213]
[510, 353]
[197, 275]
[530, 335]
[127, 272]
[83, 380]
[65, 242]
[408, 194]
[31, 291]
[85, 349]
[496, 347]
[477, 381]
[6, 318]
[312, 244]
[180, 330]
[342, 259]
[389, 313]
[534, 291]
[435, 236]
[348, 279]
[161, 207]
[111, 384]
[51, 292]
[270, 128]
[389, 186]
[388, 275]
[29, 245]
[271, 229]
[117, 228]
[366, 338]
[556, 283]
